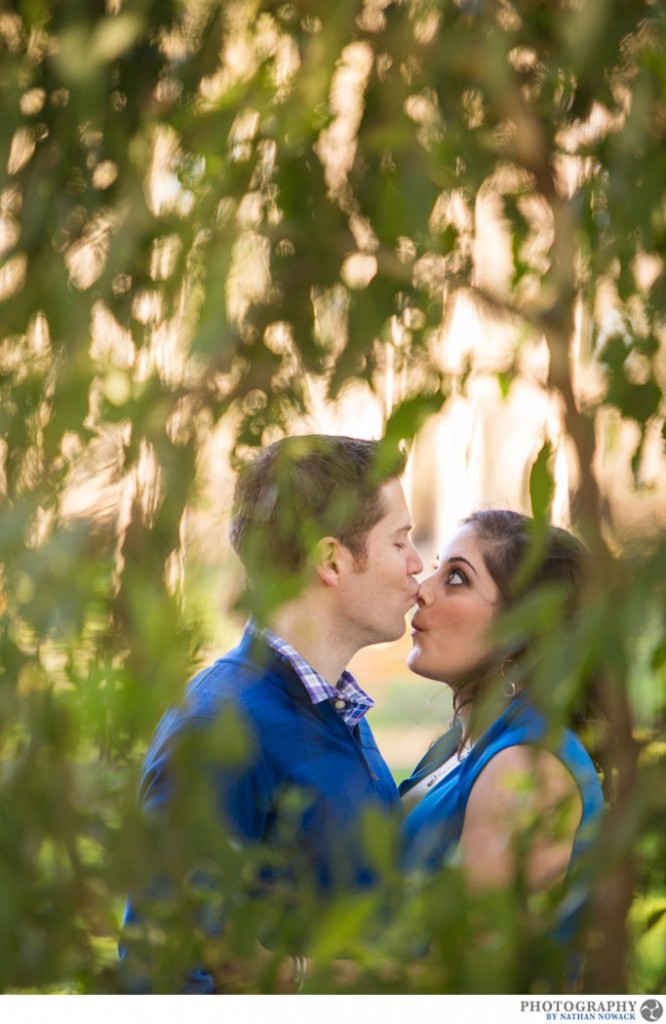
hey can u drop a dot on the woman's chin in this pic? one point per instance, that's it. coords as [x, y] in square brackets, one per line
[416, 664]
[413, 660]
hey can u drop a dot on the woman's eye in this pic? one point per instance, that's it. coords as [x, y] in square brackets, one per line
[456, 578]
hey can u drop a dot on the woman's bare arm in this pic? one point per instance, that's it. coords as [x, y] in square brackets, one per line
[524, 799]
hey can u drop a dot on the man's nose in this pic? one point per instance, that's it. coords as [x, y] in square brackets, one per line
[415, 565]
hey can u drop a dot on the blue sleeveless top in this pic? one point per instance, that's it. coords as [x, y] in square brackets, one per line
[432, 829]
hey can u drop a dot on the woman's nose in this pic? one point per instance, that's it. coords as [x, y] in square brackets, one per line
[424, 593]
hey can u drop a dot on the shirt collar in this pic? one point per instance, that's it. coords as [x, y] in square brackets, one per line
[357, 702]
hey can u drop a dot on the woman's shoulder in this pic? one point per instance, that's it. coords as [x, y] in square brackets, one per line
[528, 744]
[524, 775]
[531, 762]
[524, 722]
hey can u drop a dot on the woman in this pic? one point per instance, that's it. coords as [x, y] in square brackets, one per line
[506, 778]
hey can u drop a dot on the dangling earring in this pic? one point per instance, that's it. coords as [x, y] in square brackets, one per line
[509, 689]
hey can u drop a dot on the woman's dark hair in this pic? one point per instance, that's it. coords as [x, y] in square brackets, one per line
[524, 557]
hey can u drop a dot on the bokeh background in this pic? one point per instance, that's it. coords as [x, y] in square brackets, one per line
[442, 222]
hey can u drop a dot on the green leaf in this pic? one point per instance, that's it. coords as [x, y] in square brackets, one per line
[636, 401]
[659, 656]
[542, 485]
[407, 418]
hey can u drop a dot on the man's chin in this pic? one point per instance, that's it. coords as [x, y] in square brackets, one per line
[389, 637]
[399, 632]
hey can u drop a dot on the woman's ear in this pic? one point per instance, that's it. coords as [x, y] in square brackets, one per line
[329, 559]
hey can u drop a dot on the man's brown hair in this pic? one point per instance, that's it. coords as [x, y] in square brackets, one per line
[303, 488]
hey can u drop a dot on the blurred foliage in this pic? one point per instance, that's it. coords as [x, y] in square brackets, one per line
[205, 207]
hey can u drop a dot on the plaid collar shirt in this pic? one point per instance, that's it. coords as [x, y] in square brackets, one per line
[349, 700]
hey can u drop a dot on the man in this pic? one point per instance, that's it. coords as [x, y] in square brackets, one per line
[271, 748]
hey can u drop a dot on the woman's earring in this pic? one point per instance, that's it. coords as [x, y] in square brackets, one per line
[509, 689]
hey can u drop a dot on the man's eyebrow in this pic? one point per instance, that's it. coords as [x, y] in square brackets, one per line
[403, 529]
[459, 558]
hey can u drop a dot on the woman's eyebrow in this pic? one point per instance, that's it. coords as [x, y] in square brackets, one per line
[459, 558]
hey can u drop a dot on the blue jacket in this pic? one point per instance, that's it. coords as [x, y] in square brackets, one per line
[432, 829]
[288, 744]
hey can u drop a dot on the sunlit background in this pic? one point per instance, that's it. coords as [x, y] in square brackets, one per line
[477, 452]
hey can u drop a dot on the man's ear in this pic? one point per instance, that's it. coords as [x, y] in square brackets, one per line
[329, 560]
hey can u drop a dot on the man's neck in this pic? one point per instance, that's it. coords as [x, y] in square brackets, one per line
[307, 628]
